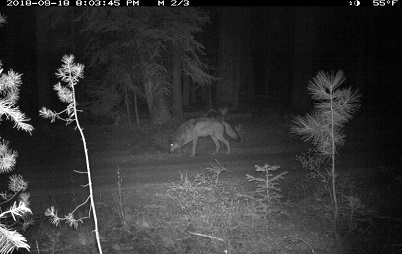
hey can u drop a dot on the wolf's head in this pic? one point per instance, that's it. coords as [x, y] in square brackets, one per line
[173, 144]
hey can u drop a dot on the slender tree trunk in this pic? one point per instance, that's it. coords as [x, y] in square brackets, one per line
[193, 93]
[238, 80]
[127, 102]
[132, 87]
[149, 96]
[128, 87]
[137, 118]
[177, 83]
[333, 175]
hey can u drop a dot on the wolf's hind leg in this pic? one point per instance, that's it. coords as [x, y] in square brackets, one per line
[226, 143]
[218, 146]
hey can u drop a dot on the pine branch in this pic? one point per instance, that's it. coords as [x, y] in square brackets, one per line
[10, 240]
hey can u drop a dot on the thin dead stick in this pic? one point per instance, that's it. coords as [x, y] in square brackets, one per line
[208, 236]
[296, 238]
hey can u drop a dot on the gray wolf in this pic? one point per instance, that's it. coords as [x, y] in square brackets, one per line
[191, 130]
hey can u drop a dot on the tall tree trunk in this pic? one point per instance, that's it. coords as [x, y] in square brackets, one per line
[244, 48]
[305, 37]
[234, 54]
[227, 55]
[177, 83]
[42, 61]
[238, 80]
[161, 113]
[157, 104]
[186, 90]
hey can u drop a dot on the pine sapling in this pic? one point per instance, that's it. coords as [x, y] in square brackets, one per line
[334, 107]
[70, 73]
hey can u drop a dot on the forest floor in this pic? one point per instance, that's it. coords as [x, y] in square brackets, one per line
[150, 201]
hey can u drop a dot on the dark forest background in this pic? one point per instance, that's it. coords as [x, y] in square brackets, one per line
[171, 60]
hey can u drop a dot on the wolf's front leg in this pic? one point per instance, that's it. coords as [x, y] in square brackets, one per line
[195, 140]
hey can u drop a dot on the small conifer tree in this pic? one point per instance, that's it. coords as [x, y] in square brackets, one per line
[334, 107]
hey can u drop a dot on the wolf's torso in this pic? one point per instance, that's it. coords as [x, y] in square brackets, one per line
[193, 129]
[199, 127]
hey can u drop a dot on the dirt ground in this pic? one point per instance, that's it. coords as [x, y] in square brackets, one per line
[141, 153]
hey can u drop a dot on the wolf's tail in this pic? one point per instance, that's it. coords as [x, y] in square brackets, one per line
[231, 132]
